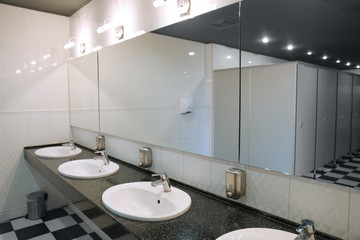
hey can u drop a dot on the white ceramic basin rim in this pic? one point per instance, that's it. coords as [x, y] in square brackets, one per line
[57, 152]
[140, 201]
[258, 234]
[87, 169]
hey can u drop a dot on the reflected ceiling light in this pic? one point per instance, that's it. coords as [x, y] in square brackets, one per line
[54, 64]
[158, 3]
[325, 57]
[70, 44]
[191, 53]
[290, 47]
[46, 56]
[265, 40]
[33, 62]
[228, 57]
[249, 62]
[106, 26]
[40, 68]
[32, 71]
[348, 64]
[309, 53]
[18, 71]
[338, 61]
[357, 66]
[97, 48]
[184, 7]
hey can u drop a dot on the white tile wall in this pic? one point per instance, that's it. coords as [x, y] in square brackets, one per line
[335, 209]
[354, 217]
[268, 192]
[33, 103]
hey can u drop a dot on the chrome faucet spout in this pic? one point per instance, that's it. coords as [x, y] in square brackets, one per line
[103, 157]
[306, 230]
[164, 180]
[71, 144]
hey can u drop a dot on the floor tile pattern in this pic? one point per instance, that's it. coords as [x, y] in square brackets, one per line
[345, 172]
[59, 224]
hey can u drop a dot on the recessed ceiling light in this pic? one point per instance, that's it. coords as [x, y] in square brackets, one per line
[290, 47]
[265, 39]
[249, 62]
[33, 62]
[357, 66]
[18, 71]
[325, 57]
[191, 53]
[228, 57]
[348, 64]
[309, 53]
[338, 61]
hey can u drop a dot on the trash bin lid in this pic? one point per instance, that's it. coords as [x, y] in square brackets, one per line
[36, 195]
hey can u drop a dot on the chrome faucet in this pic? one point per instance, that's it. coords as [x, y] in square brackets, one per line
[71, 144]
[306, 230]
[103, 157]
[164, 180]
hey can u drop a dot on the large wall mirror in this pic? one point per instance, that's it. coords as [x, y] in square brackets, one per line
[176, 91]
[301, 117]
[180, 86]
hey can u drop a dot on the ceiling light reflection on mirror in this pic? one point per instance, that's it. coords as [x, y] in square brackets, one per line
[97, 48]
[325, 57]
[338, 61]
[290, 47]
[309, 53]
[70, 44]
[348, 64]
[106, 26]
[265, 40]
[358, 66]
[158, 3]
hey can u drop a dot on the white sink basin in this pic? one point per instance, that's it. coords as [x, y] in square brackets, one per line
[87, 169]
[57, 152]
[140, 201]
[258, 234]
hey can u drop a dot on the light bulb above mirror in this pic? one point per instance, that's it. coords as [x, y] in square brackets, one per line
[106, 26]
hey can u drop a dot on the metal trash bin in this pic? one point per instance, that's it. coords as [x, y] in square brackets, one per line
[36, 205]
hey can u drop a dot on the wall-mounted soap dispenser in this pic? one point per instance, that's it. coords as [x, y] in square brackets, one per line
[235, 183]
[100, 143]
[145, 157]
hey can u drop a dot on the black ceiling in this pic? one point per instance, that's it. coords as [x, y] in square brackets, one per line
[326, 27]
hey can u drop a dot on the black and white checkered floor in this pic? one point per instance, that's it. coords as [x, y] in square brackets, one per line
[346, 173]
[59, 224]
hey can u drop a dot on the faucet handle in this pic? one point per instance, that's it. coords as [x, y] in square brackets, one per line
[162, 176]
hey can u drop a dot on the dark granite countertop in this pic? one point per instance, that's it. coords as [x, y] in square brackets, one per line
[208, 218]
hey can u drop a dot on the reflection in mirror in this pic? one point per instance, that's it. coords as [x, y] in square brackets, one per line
[83, 91]
[172, 92]
[301, 117]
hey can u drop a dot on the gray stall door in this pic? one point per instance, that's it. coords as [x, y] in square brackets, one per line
[343, 115]
[326, 115]
[355, 129]
[305, 119]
